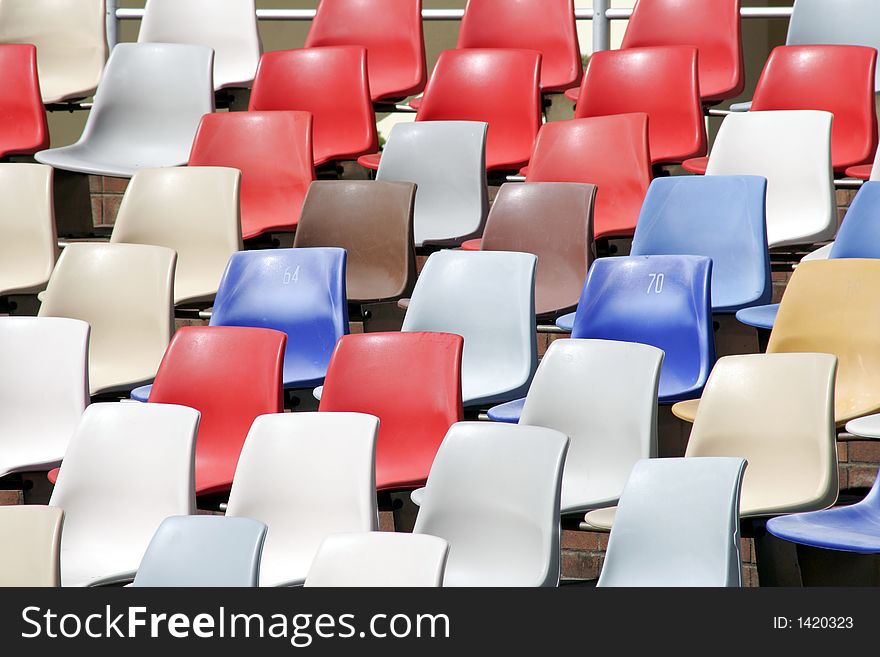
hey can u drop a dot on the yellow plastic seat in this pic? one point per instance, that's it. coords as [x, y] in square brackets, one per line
[31, 546]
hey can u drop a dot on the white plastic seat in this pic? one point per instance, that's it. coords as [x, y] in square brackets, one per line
[487, 297]
[792, 150]
[71, 41]
[193, 210]
[146, 113]
[306, 475]
[31, 546]
[128, 467]
[124, 292]
[379, 559]
[452, 199]
[229, 27]
[677, 525]
[493, 494]
[44, 389]
[28, 242]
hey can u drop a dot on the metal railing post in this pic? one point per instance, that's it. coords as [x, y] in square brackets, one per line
[601, 26]
[112, 24]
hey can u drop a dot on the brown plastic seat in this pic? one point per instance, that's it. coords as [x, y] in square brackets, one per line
[373, 221]
[554, 221]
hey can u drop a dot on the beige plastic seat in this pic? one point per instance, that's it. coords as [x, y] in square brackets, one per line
[28, 243]
[193, 210]
[71, 41]
[124, 291]
[30, 549]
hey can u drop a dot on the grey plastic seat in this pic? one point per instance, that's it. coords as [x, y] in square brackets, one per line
[30, 548]
[203, 551]
[677, 525]
[451, 199]
[147, 109]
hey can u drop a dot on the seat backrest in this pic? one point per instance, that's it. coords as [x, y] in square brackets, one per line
[30, 553]
[610, 152]
[502, 523]
[229, 27]
[487, 297]
[331, 83]
[859, 234]
[193, 210]
[547, 26]
[457, 88]
[602, 395]
[554, 221]
[720, 217]
[649, 545]
[300, 292]
[776, 411]
[792, 150]
[412, 383]
[664, 301]
[371, 220]
[287, 460]
[24, 130]
[203, 551]
[713, 27]
[663, 82]
[836, 79]
[447, 162]
[390, 30]
[28, 249]
[71, 41]
[379, 559]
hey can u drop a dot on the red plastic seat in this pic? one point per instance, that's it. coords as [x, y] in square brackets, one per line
[412, 383]
[332, 84]
[390, 30]
[231, 375]
[547, 26]
[862, 171]
[608, 151]
[662, 83]
[273, 151]
[23, 128]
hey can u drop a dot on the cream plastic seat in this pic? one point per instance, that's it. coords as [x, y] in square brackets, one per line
[31, 546]
[379, 559]
[44, 389]
[193, 210]
[677, 525]
[306, 476]
[124, 291]
[28, 242]
[229, 27]
[129, 466]
[71, 41]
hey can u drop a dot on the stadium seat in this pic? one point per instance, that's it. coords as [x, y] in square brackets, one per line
[24, 130]
[502, 523]
[31, 546]
[128, 467]
[43, 389]
[229, 28]
[193, 210]
[231, 375]
[371, 220]
[412, 383]
[554, 221]
[661, 82]
[71, 41]
[610, 152]
[203, 551]
[866, 171]
[306, 475]
[451, 198]
[125, 292]
[28, 248]
[379, 559]
[487, 297]
[149, 123]
[677, 525]
[331, 83]
[390, 30]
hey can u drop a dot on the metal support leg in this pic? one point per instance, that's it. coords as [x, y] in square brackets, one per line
[112, 24]
[601, 26]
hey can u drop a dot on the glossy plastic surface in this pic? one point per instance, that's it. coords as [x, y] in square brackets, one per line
[23, 127]
[30, 554]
